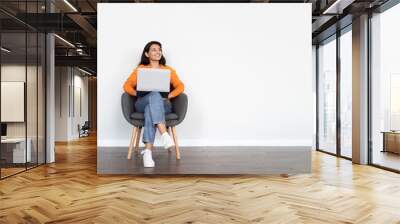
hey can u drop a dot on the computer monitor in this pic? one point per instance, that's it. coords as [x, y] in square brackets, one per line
[3, 129]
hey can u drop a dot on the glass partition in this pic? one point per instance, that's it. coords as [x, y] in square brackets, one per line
[14, 153]
[22, 64]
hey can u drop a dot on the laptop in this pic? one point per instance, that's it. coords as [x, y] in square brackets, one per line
[153, 79]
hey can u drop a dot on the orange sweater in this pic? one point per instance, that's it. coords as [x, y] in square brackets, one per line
[130, 83]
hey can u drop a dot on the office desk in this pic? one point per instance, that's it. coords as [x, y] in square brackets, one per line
[13, 150]
[391, 142]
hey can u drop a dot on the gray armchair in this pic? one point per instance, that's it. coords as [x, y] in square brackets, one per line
[136, 119]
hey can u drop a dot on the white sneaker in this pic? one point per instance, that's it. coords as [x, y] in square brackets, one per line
[147, 158]
[167, 141]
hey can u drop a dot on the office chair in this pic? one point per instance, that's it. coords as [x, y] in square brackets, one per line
[84, 129]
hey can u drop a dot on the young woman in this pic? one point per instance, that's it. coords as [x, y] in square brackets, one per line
[152, 104]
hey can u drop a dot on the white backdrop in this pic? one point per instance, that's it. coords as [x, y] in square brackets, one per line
[246, 69]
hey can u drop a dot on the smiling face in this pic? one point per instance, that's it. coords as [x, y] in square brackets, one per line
[154, 53]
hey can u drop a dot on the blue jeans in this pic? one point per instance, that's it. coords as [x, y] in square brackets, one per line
[154, 108]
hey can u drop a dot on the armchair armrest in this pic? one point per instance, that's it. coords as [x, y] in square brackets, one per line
[180, 105]
[128, 105]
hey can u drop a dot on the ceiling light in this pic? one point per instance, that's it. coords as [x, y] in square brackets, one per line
[64, 40]
[84, 71]
[5, 49]
[70, 5]
[338, 6]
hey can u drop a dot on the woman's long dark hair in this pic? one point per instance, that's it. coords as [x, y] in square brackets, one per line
[145, 60]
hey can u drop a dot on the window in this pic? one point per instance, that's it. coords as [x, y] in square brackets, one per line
[385, 89]
[346, 93]
[327, 96]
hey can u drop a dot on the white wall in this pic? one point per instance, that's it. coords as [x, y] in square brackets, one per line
[80, 84]
[246, 69]
[17, 73]
[33, 126]
[68, 81]
[61, 103]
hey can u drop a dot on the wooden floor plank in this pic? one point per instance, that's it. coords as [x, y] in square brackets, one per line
[70, 191]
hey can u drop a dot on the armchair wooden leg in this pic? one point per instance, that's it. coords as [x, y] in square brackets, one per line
[178, 154]
[138, 133]
[134, 130]
[170, 134]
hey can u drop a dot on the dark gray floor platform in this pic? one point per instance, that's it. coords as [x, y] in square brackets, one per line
[208, 160]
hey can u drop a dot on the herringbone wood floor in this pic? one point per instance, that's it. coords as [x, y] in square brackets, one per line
[69, 191]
